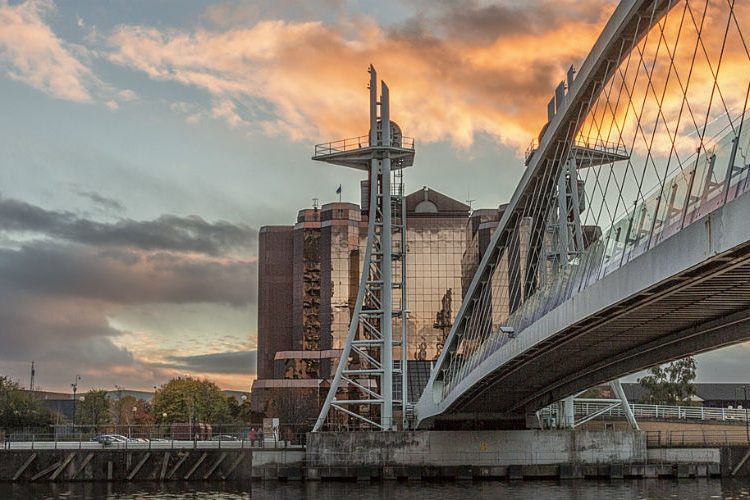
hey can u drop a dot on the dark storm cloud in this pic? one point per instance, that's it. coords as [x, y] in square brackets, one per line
[53, 330]
[168, 232]
[240, 362]
[125, 277]
[60, 288]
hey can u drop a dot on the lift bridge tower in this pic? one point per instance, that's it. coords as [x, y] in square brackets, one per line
[362, 394]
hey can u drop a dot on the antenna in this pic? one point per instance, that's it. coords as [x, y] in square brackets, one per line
[33, 373]
[315, 203]
[469, 200]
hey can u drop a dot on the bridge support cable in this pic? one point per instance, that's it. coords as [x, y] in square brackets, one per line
[362, 394]
[650, 136]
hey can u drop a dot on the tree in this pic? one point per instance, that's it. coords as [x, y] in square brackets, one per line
[93, 409]
[670, 384]
[131, 411]
[240, 413]
[19, 408]
[186, 399]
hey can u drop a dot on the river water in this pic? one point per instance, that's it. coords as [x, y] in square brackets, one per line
[536, 490]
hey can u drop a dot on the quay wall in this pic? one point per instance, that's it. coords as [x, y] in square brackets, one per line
[446, 448]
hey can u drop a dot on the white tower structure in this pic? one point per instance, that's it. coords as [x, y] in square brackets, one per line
[362, 392]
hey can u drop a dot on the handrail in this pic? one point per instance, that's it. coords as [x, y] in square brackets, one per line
[360, 142]
[658, 411]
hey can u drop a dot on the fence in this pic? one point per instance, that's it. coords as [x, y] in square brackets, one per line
[666, 412]
[153, 436]
[697, 438]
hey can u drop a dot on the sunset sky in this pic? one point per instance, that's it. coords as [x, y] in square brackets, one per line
[143, 144]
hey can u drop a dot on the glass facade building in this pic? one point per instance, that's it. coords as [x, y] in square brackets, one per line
[322, 271]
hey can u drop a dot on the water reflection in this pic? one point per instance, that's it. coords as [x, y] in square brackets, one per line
[612, 490]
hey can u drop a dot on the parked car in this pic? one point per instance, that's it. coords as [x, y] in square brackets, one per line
[224, 437]
[109, 438]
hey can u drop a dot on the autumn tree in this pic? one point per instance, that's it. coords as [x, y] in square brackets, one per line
[129, 410]
[19, 408]
[670, 384]
[186, 399]
[94, 409]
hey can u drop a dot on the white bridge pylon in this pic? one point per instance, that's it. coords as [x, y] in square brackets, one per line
[362, 392]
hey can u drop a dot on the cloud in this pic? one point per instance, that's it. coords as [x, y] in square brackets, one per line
[65, 279]
[241, 362]
[102, 202]
[168, 232]
[305, 79]
[126, 277]
[30, 52]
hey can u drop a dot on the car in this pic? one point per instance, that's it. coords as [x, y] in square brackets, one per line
[109, 439]
[224, 437]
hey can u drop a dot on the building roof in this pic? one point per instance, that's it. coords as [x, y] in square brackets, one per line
[705, 392]
[427, 202]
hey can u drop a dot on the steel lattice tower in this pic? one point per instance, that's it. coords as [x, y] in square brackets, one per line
[375, 351]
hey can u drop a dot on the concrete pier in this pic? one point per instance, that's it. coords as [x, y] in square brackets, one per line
[385, 456]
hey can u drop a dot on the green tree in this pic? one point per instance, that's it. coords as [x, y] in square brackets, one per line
[19, 408]
[94, 409]
[186, 399]
[240, 412]
[670, 384]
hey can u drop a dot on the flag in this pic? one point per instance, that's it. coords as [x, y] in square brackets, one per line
[338, 190]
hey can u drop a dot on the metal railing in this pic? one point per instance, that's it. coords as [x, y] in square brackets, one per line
[714, 178]
[647, 411]
[148, 437]
[599, 144]
[354, 143]
[696, 438]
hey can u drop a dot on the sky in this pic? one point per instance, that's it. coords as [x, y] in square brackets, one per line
[144, 143]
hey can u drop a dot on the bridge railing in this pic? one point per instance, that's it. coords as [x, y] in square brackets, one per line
[649, 411]
[708, 181]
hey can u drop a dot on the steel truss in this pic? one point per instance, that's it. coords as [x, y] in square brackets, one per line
[362, 394]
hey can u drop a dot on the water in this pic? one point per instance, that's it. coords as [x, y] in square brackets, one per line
[536, 490]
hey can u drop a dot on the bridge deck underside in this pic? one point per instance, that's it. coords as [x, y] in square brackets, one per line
[700, 309]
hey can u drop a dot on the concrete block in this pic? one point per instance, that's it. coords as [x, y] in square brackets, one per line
[701, 470]
[293, 473]
[571, 471]
[683, 471]
[541, 470]
[616, 471]
[414, 473]
[633, 470]
[364, 473]
[515, 472]
[650, 471]
[482, 472]
[464, 473]
[270, 472]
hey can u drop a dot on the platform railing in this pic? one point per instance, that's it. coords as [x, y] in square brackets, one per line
[354, 143]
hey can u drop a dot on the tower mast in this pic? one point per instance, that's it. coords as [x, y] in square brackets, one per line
[362, 392]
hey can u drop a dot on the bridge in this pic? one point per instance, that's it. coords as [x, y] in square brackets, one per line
[626, 243]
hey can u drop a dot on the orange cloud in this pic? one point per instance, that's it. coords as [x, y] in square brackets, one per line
[306, 80]
[34, 55]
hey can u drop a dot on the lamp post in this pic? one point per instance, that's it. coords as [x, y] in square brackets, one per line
[74, 385]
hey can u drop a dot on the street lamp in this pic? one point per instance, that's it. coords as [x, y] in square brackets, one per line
[74, 385]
